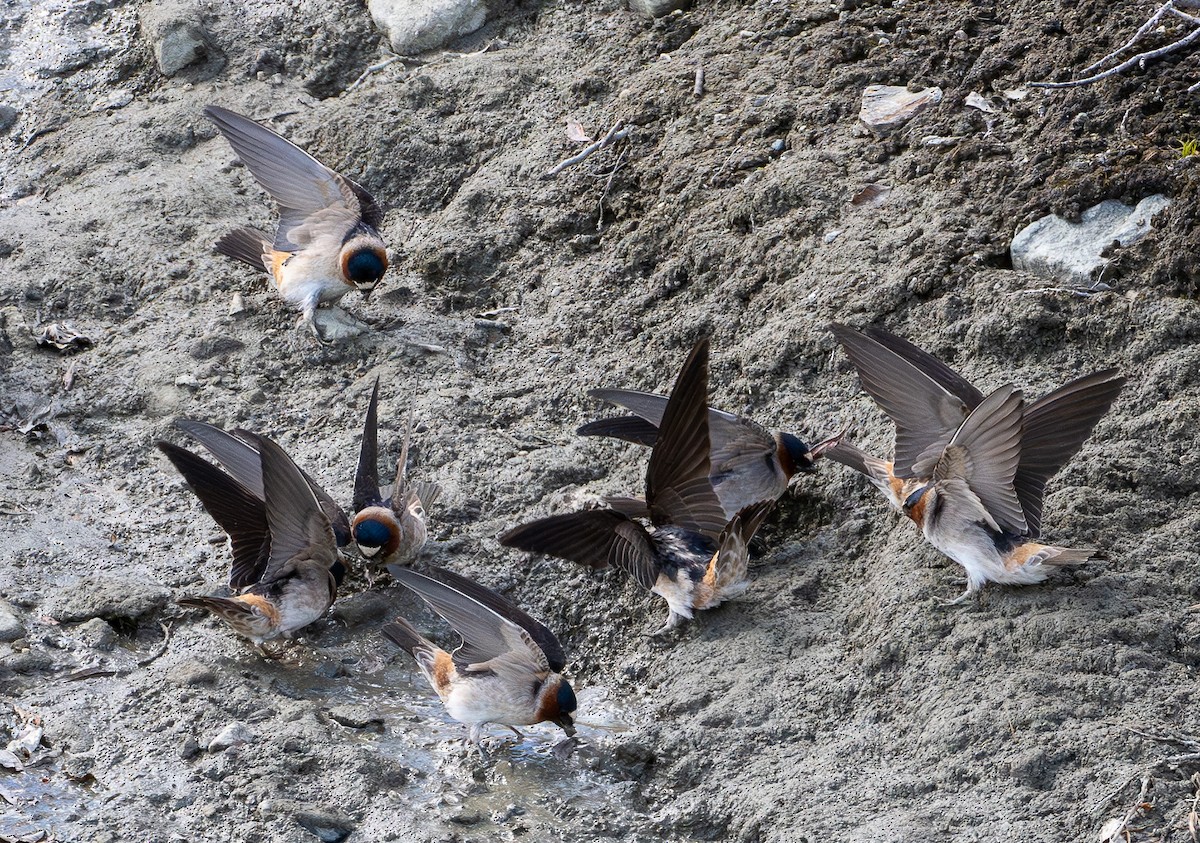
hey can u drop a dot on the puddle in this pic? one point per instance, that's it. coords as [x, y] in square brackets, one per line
[37, 800]
[522, 784]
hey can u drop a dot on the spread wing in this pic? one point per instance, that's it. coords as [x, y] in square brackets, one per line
[925, 413]
[743, 466]
[366, 476]
[596, 537]
[1056, 427]
[984, 453]
[678, 491]
[303, 187]
[487, 622]
[239, 512]
[633, 429]
[943, 375]
[299, 527]
[238, 452]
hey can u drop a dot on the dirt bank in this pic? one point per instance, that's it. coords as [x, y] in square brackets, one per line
[838, 700]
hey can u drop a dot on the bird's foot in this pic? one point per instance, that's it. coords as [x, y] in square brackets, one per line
[954, 601]
[673, 622]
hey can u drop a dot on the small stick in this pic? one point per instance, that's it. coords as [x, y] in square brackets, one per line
[374, 68]
[607, 187]
[1140, 58]
[698, 89]
[615, 134]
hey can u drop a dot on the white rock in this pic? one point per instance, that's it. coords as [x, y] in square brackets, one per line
[658, 8]
[336, 324]
[414, 26]
[1055, 248]
[231, 735]
[886, 108]
[976, 100]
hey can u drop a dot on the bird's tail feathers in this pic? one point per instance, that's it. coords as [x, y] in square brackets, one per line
[1072, 555]
[427, 492]
[248, 245]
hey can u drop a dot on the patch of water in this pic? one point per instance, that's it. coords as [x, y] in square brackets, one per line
[36, 800]
[527, 783]
[42, 41]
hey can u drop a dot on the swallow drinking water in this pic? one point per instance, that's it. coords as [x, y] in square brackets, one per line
[748, 463]
[694, 557]
[328, 242]
[508, 670]
[286, 564]
[390, 531]
[971, 471]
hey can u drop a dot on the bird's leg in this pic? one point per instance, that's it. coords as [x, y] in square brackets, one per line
[274, 654]
[673, 620]
[960, 599]
[514, 730]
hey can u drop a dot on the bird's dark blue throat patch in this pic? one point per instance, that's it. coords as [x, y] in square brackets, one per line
[566, 698]
[365, 266]
[371, 533]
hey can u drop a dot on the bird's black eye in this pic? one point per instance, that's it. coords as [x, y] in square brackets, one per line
[365, 266]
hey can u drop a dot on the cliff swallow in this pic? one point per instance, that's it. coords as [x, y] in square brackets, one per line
[328, 242]
[508, 670]
[971, 471]
[286, 564]
[390, 531]
[694, 557]
[748, 463]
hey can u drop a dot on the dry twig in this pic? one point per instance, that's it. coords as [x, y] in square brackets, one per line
[698, 89]
[1171, 7]
[374, 68]
[615, 134]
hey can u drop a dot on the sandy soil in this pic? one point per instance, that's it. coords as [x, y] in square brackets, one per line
[838, 700]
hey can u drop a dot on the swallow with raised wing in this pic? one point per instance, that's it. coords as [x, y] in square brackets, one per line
[508, 670]
[692, 556]
[986, 461]
[328, 241]
[392, 530]
[748, 463]
[286, 560]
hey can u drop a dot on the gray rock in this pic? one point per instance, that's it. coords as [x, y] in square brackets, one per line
[11, 627]
[97, 634]
[192, 673]
[658, 8]
[1071, 252]
[325, 825]
[336, 324]
[176, 34]
[106, 597]
[231, 735]
[886, 108]
[8, 118]
[414, 26]
[356, 716]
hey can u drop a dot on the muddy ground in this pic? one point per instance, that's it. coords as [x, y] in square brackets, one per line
[838, 700]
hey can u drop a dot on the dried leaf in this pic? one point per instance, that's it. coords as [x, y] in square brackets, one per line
[63, 336]
[576, 133]
[871, 195]
[10, 761]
